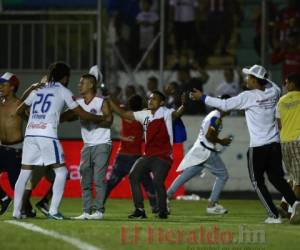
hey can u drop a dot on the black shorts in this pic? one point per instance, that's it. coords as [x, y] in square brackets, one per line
[10, 162]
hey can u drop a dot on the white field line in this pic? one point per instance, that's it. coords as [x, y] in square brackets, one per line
[73, 241]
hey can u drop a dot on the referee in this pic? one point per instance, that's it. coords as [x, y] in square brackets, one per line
[264, 154]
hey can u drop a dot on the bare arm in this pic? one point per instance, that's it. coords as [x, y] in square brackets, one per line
[108, 120]
[88, 116]
[22, 111]
[122, 113]
[32, 87]
[179, 112]
[68, 116]
[212, 136]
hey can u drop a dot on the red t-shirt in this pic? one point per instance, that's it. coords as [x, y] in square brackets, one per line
[159, 133]
[135, 129]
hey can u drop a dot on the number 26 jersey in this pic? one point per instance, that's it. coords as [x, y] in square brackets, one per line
[47, 104]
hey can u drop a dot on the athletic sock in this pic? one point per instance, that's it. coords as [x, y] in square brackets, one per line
[19, 191]
[58, 188]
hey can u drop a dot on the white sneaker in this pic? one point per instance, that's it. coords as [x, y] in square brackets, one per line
[84, 216]
[295, 217]
[96, 216]
[217, 209]
[271, 220]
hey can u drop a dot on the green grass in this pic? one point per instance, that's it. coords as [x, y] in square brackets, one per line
[181, 231]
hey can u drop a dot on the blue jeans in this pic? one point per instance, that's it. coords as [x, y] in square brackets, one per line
[215, 165]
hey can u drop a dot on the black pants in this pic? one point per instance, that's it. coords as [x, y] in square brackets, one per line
[159, 169]
[267, 159]
[121, 168]
[10, 162]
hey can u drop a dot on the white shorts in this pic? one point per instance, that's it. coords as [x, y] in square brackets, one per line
[38, 151]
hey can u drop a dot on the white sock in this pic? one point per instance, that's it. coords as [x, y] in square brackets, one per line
[290, 209]
[58, 188]
[19, 191]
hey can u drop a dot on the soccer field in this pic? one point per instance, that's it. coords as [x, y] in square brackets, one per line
[188, 228]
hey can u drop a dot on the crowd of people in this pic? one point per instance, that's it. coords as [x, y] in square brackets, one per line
[145, 118]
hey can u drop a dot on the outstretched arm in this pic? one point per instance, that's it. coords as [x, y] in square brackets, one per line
[88, 116]
[122, 113]
[179, 112]
[108, 120]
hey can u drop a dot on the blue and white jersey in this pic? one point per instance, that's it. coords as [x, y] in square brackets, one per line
[213, 119]
[47, 104]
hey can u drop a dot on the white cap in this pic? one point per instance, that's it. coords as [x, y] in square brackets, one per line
[94, 70]
[257, 71]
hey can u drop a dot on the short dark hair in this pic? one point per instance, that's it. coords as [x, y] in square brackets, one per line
[294, 78]
[153, 78]
[159, 94]
[135, 103]
[92, 79]
[58, 71]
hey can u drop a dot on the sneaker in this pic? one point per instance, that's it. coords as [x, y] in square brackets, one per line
[155, 210]
[216, 209]
[96, 216]
[57, 216]
[138, 214]
[4, 205]
[43, 207]
[271, 220]
[295, 217]
[28, 214]
[83, 216]
[162, 215]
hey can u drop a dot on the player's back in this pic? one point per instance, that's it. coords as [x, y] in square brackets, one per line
[46, 106]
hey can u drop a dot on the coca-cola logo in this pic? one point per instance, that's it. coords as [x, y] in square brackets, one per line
[40, 125]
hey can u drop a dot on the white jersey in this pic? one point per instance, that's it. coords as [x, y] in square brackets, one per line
[213, 119]
[202, 148]
[47, 104]
[259, 109]
[92, 134]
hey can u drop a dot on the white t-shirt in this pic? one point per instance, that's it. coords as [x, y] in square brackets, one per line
[47, 104]
[226, 88]
[184, 10]
[92, 134]
[259, 109]
[147, 21]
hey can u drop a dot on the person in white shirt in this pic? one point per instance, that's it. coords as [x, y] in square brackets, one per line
[203, 155]
[41, 145]
[229, 86]
[96, 150]
[184, 17]
[264, 154]
[146, 20]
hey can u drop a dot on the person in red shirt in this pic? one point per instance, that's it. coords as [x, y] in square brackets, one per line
[129, 151]
[157, 124]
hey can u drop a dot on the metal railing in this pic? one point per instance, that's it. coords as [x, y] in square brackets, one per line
[32, 45]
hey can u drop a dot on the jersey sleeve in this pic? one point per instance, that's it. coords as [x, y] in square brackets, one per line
[239, 102]
[29, 100]
[140, 116]
[215, 122]
[69, 98]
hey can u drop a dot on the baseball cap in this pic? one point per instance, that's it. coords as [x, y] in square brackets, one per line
[11, 78]
[94, 70]
[257, 71]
